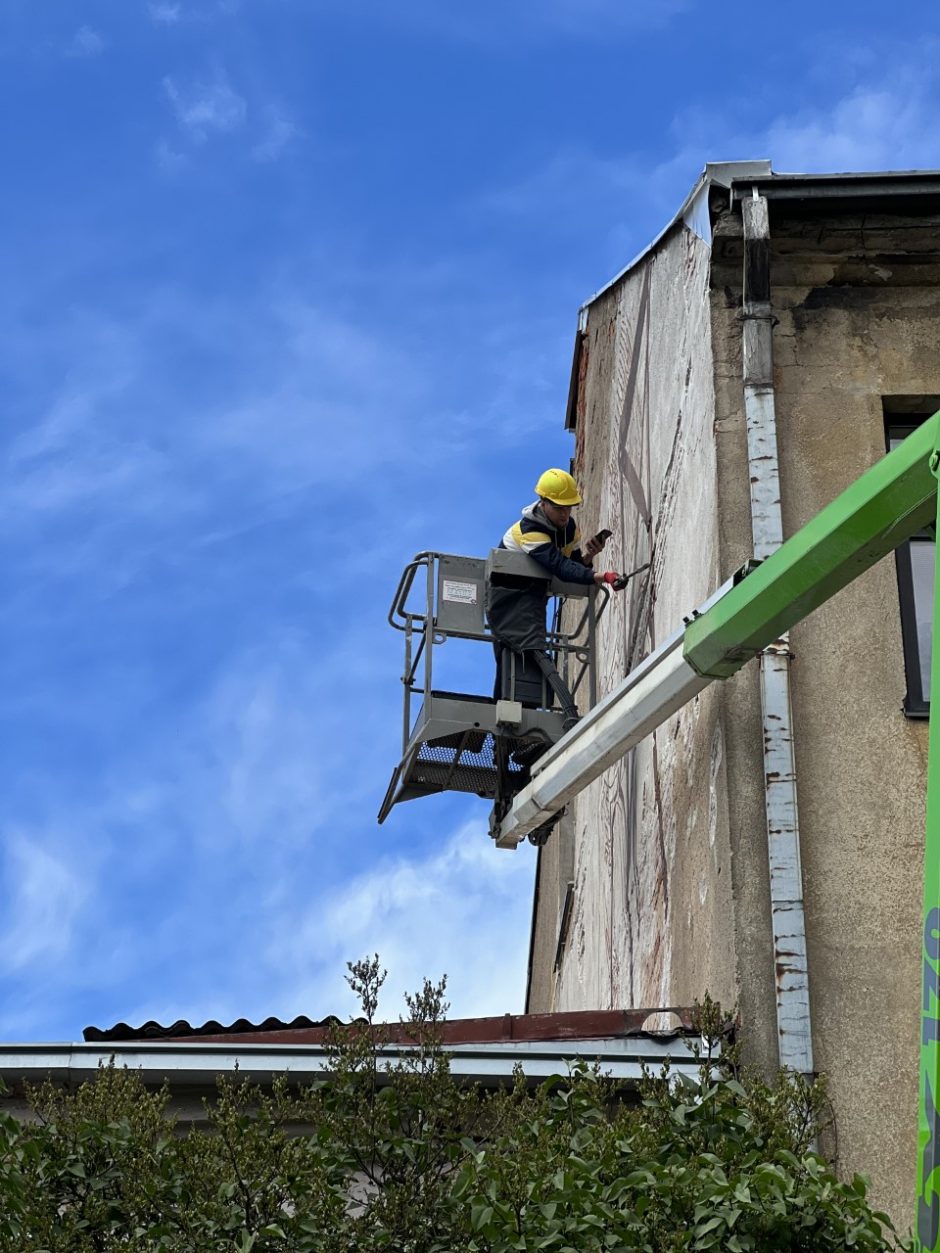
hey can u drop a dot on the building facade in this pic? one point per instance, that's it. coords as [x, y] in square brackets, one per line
[814, 301]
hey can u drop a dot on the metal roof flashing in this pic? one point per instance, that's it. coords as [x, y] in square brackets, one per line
[694, 214]
[694, 209]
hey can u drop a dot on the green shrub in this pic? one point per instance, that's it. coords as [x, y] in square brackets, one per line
[411, 1161]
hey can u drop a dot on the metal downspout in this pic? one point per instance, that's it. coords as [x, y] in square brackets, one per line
[791, 969]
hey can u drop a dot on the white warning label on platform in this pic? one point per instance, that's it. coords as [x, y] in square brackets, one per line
[461, 593]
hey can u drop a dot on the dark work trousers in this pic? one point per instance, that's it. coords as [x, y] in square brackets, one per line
[516, 616]
[531, 666]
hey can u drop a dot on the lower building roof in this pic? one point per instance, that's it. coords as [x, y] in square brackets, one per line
[625, 1043]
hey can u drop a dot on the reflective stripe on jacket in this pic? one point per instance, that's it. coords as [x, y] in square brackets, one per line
[515, 606]
[555, 548]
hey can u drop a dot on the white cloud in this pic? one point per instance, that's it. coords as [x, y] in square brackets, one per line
[115, 478]
[246, 786]
[243, 801]
[173, 12]
[68, 415]
[328, 377]
[254, 806]
[165, 14]
[599, 19]
[572, 184]
[872, 128]
[887, 122]
[278, 134]
[60, 486]
[107, 442]
[82, 448]
[170, 160]
[211, 107]
[86, 42]
[43, 897]
[204, 108]
[257, 747]
[494, 21]
[462, 911]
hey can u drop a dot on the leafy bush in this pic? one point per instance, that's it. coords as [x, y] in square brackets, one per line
[410, 1161]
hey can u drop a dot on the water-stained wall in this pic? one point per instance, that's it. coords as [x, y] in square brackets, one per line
[650, 843]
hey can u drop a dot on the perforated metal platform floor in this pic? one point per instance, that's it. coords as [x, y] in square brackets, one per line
[447, 754]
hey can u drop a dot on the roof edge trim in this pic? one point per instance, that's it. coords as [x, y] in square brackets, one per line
[720, 173]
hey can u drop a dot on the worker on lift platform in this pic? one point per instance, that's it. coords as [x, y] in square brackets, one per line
[515, 607]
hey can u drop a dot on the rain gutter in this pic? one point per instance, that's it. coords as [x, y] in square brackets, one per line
[197, 1065]
[791, 968]
[866, 189]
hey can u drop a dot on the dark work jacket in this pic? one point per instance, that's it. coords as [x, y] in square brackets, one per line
[515, 608]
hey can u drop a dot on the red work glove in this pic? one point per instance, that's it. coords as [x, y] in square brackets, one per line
[610, 578]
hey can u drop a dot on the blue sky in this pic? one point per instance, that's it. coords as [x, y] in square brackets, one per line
[289, 294]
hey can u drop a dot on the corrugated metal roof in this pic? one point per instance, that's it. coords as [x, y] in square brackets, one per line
[574, 1025]
[181, 1029]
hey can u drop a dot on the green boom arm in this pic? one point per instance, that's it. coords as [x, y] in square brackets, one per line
[928, 1138]
[883, 508]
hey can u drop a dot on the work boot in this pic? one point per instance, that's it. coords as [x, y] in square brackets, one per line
[571, 720]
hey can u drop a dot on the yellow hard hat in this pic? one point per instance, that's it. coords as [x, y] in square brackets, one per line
[559, 487]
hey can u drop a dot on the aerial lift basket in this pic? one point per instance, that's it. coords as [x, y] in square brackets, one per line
[475, 743]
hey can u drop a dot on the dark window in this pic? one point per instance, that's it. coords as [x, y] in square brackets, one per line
[916, 565]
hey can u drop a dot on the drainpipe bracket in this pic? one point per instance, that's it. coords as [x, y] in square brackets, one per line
[757, 317]
[778, 649]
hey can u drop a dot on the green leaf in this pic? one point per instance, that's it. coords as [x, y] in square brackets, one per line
[709, 1225]
[480, 1215]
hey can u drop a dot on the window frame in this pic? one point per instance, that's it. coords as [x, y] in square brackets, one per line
[917, 697]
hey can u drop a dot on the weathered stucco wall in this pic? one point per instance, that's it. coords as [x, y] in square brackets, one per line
[650, 841]
[555, 871]
[668, 850]
[858, 301]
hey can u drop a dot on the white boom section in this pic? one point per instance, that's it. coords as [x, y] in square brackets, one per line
[652, 692]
